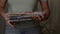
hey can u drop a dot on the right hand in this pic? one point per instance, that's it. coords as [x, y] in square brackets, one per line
[6, 18]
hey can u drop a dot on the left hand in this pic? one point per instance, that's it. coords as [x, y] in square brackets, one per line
[46, 15]
[42, 17]
[38, 17]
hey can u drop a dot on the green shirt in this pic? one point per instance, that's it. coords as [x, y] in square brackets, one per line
[20, 6]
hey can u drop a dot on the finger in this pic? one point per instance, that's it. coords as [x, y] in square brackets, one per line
[42, 14]
[11, 25]
[34, 17]
[38, 18]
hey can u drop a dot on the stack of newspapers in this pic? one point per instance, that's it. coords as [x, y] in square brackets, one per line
[24, 16]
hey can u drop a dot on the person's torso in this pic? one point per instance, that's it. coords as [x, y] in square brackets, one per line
[19, 6]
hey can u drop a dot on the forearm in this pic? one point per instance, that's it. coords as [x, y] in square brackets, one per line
[2, 5]
[45, 9]
[2, 13]
[44, 5]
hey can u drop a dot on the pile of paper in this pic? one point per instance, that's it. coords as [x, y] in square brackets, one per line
[25, 16]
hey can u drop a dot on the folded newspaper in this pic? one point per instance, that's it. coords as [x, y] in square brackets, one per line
[24, 16]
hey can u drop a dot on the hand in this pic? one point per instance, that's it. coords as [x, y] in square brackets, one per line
[36, 18]
[39, 17]
[6, 18]
[43, 16]
[46, 15]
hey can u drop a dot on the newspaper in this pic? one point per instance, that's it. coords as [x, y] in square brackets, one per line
[25, 16]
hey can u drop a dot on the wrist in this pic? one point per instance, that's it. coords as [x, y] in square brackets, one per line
[46, 11]
[4, 15]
